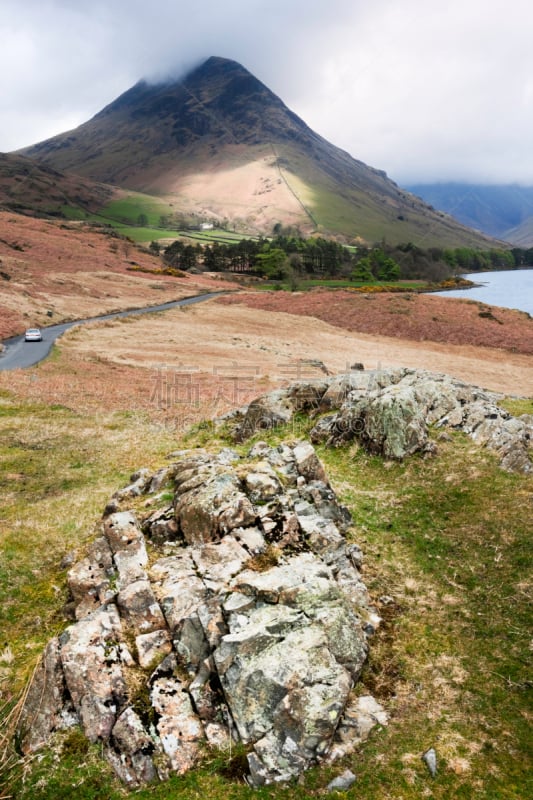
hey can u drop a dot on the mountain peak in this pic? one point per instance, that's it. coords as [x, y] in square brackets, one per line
[217, 64]
[219, 97]
[222, 145]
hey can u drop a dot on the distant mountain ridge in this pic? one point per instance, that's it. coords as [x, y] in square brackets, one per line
[221, 145]
[504, 211]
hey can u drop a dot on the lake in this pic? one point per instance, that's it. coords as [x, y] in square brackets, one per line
[508, 288]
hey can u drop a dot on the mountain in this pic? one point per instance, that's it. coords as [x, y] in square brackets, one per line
[221, 145]
[38, 189]
[521, 235]
[504, 211]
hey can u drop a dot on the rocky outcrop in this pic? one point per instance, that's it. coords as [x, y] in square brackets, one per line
[236, 613]
[278, 407]
[389, 413]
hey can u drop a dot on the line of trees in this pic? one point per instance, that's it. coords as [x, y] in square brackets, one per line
[270, 258]
[285, 256]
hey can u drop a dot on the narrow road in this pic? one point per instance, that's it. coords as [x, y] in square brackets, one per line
[19, 354]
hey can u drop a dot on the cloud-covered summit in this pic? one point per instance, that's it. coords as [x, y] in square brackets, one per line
[425, 91]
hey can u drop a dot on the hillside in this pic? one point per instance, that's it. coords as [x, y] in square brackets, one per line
[54, 271]
[39, 189]
[220, 144]
[522, 234]
[412, 317]
[505, 211]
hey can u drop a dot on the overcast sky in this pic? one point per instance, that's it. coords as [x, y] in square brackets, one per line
[424, 89]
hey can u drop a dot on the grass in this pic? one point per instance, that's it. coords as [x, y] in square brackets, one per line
[447, 560]
[354, 212]
[449, 540]
[56, 475]
[122, 216]
[340, 283]
[518, 405]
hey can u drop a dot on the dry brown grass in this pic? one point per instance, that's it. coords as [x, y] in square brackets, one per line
[74, 271]
[416, 317]
[256, 193]
[218, 356]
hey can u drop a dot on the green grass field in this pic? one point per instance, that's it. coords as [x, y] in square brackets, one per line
[123, 215]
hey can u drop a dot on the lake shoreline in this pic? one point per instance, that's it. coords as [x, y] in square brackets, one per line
[498, 289]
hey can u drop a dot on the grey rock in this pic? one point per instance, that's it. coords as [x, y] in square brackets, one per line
[388, 413]
[89, 580]
[271, 652]
[527, 420]
[92, 653]
[153, 647]
[262, 483]
[44, 708]
[251, 539]
[389, 422]
[162, 526]
[139, 607]
[270, 585]
[325, 430]
[68, 560]
[131, 564]
[266, 413]
[191, 644]
[177, 588]
[308, 464]
[179, 728]
[394, 425]
[342, 782]
[307, 395]
[340, 387]
[207, 700]
[130, 750]
[122, 531]
[218, 562]
[430, 760]
[159, 479]
[140, 481]
[288, 690]
[214, 507]
[111, 507]
[361, 715]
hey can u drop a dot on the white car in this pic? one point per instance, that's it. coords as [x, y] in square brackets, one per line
[33, 335]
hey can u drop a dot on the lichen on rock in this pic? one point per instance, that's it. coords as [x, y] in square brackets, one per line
[388, 412]
[249, 625]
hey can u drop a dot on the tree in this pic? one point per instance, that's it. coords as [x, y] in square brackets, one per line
[363, 270]
[376, 265]
[388, 270]
[272, 263]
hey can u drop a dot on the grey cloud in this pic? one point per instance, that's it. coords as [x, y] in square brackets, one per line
[421, 90]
